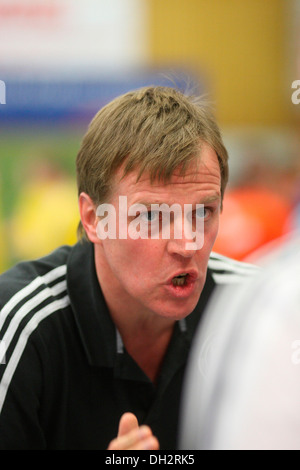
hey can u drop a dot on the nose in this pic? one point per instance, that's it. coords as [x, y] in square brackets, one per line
[183, 240]
[181, 247]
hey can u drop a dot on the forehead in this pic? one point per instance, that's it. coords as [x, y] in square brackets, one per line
[202, 173]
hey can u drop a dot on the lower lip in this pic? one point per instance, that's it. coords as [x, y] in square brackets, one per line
[182, 292]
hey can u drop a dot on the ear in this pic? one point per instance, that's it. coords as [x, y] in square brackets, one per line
[88, 217]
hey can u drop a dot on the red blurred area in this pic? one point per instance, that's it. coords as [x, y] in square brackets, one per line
[251, 218]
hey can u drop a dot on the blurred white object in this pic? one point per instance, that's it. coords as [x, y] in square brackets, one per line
[242, 386]
[73, 38]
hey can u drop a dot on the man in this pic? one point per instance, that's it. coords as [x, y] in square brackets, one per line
[96, 336]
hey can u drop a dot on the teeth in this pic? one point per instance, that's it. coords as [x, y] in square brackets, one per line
[179, 280]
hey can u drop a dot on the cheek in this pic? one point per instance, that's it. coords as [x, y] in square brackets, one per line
[119, 253]
[211, 232]
[136, 258]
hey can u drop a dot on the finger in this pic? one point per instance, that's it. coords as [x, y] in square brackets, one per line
[150, 443]
[128, 422]
[131, 439]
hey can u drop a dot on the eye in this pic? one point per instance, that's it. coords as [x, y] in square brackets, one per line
[149, 216]
[203, 212]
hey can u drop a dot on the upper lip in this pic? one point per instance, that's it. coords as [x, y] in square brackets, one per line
[193, 274]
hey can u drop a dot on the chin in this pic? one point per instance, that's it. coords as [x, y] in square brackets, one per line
[178, 310]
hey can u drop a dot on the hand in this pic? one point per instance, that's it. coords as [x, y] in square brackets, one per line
[131, 436]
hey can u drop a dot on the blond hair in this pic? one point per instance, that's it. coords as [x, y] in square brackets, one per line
[155, 130]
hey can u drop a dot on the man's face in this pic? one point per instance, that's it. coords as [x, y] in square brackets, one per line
[141, 272]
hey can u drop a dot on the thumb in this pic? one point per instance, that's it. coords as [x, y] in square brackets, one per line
[127, 423]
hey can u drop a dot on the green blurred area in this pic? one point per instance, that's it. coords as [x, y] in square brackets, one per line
[33, 159]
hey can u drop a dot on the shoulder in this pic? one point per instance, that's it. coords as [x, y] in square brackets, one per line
[30, 292]
[226, 270]
[29, 277]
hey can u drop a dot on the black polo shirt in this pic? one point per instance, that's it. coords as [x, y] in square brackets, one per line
[66, 377]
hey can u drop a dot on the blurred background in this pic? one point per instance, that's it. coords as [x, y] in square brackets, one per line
[61, 60]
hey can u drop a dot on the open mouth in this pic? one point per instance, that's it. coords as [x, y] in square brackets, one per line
[183, 284]
[180, 280]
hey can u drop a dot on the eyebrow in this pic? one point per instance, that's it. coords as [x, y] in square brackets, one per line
[212, 198]
[206, 200]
